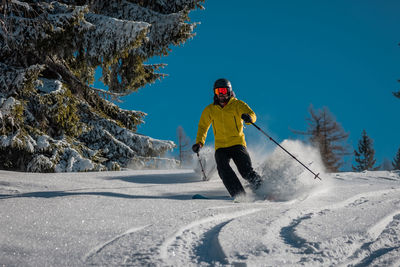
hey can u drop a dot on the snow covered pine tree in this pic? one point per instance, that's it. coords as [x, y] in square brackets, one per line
[396, 161]
[51, 118]
[365, 156]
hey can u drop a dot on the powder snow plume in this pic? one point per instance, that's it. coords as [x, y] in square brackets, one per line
[284, 178]
[206, 155]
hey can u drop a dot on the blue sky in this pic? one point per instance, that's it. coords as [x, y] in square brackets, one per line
[282, 56]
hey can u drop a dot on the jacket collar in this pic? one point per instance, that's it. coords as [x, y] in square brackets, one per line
[229, 102]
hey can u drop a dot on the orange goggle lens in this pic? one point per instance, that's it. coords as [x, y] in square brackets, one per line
[221, 90]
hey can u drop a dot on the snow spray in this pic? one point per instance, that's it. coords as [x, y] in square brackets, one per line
[207, 159]
[285, 179]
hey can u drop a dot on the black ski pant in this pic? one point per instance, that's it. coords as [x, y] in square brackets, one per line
[242, 161]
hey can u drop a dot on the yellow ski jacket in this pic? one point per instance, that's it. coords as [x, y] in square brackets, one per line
[226, 122]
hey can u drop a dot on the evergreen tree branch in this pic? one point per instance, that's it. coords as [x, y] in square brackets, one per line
[396, 161]
[49, 51]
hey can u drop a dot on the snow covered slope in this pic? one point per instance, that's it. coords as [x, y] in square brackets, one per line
[144, 218]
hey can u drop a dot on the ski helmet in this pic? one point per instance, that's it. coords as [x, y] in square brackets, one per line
[222, 83]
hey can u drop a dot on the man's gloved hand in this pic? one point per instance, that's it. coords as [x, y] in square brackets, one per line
[196, 147]
[246, 118]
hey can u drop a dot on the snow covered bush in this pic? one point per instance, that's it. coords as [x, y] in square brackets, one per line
[52, 119]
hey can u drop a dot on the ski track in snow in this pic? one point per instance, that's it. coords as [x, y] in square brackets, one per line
[282, 228]
[302, 246]
[198, 242]
[200, 236]
[356, 222]
[373, 251]
[97, 249]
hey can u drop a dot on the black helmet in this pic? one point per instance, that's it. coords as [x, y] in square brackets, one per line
[223, 83]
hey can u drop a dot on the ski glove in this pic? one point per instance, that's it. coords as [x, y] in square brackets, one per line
[196, 148]
[246, 118]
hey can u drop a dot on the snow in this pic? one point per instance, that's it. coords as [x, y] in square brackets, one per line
[43, 142]
[72, 161]
[48, 85]
[147, 218]
[14, 78]
[111, 35]
[86, 132]
[122, 146]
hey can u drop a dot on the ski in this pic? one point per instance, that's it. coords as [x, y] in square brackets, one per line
[199, 196]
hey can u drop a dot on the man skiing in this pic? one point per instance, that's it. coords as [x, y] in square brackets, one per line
[226, 115]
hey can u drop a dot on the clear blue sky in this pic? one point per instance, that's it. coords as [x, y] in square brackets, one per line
[281, 56]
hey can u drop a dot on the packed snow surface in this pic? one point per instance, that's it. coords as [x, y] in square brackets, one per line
[147, 218]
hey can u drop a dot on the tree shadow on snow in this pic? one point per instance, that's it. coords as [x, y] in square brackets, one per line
[153, 178]
[173, 178]
[55, 194]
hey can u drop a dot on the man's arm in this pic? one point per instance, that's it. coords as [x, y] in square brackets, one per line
[245, 109]
[204, 125]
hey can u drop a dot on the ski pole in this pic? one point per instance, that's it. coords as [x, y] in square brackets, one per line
[202, 169]
[270, 138]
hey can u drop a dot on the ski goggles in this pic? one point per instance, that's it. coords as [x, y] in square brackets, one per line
[221, 90]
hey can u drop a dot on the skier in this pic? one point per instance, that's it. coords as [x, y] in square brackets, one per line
[226, 115]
